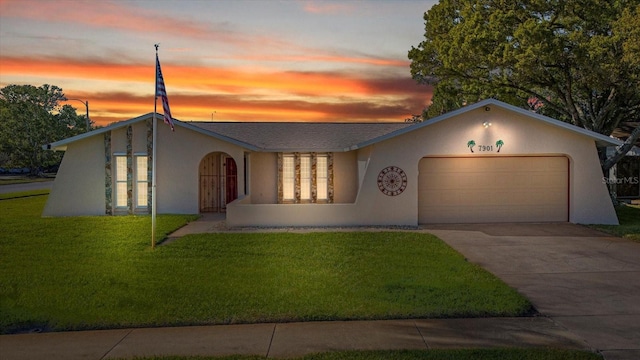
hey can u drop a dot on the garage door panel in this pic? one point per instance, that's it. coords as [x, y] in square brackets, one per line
[493, 189]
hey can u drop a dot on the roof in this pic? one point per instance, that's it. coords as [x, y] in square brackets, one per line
[601, 140]
[299, 136]
[62, 144]
[327, 137]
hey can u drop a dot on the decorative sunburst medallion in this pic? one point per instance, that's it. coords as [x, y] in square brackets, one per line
[392, 181]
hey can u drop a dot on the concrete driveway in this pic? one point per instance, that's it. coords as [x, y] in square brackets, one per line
[584, 280]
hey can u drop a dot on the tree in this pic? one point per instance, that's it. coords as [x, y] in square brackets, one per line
[31, 116]
[577, 59]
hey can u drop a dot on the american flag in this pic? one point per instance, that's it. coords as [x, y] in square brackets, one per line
[162, 92]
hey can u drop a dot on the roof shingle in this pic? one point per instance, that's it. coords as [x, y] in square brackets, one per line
[288, 136]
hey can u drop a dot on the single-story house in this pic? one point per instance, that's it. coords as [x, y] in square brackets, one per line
[486, 162]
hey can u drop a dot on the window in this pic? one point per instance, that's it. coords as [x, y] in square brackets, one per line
[322, 177]
[121, 181]
[135, 180]
[141, 181]
[288, 175]
[304, 178]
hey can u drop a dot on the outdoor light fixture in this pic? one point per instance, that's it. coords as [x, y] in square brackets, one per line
[486, 124]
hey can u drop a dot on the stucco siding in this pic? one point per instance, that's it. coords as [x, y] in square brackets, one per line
[264, 178]
[345, 177]
[521, 135]
[139, 140]
[118, 141]
[78, 189]
[357, 196]
[178, 158]
[589, 201]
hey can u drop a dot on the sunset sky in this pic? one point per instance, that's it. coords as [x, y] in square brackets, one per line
[269, 60]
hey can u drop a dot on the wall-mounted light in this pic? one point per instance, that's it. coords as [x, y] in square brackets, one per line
[486, 124]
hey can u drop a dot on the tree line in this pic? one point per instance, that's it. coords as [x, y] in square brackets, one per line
[31, 117]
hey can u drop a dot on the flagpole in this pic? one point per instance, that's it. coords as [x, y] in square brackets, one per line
[154, 157]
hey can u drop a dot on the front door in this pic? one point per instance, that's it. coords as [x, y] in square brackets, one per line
[218, 184]
[231, 180]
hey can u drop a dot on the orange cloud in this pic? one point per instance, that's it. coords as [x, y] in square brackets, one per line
[236, 94]
[106, 108]
[229, 80]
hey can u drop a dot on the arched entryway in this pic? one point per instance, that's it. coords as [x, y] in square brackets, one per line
[218, 182]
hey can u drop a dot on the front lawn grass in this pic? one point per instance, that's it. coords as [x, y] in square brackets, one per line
[434, 354]
[629, 218]
[100, 272]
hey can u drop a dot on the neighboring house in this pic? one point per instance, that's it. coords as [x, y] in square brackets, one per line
[486, 162]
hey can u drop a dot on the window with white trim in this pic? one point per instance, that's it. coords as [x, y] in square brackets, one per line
[288, 177]
[305, 178]
[322, 177]
[141, 181]
[121, 181]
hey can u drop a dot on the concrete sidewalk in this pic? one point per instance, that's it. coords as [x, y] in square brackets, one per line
[291, 339]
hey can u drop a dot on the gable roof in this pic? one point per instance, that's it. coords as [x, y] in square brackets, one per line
[62, 144]
[300, 136]
[268, 136]
[328, 137]
[601, 140]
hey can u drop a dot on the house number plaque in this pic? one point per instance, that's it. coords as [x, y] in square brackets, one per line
[392, 181]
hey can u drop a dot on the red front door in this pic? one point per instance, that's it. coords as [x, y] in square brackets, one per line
[231, 180]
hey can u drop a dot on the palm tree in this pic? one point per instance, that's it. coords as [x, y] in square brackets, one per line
[499, 144]
[471, 144]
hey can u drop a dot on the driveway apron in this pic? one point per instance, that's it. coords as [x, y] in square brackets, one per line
[583, 279]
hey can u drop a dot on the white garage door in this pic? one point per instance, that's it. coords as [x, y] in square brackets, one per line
[493, 189]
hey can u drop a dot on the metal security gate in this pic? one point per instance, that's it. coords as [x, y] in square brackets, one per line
[218, 184]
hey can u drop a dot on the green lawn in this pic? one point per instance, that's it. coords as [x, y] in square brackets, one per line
[629, 217]
[100, 272]
[467, 354]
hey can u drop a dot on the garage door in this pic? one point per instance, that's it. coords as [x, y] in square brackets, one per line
[493, 189]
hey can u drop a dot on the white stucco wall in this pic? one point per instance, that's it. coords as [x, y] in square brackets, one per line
[77, 188]
[263, 178]
[178, 158]
[589, 200]
[345, 183]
